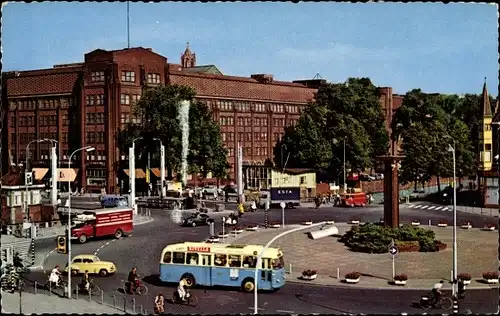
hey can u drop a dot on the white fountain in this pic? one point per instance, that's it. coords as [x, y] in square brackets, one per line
[184, 123]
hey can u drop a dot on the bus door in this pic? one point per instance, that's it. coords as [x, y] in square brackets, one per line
[219, 270]
[206, 263]
[265, 274]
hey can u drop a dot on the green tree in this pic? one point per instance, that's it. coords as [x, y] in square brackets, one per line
[158, 111]
[347, 111]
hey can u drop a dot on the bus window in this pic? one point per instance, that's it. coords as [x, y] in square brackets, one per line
[167, 258]
[249, 262]
[277, 263]
[179, 258]
[220, 260]
[235, 261]
[205, 260]
[192, 258]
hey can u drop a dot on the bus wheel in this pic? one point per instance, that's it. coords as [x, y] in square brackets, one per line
[248, 285]
[82, 239]
[190, 281]
[118, 234]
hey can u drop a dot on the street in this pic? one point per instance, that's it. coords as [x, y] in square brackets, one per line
[143, 249]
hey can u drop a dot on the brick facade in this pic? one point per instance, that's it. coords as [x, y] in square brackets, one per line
[87, 103]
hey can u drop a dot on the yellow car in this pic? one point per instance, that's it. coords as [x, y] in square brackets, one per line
[93, 264]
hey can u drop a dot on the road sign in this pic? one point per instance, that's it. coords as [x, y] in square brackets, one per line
[282, 204]
[393, 250]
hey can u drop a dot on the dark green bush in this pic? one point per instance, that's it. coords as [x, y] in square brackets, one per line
[372, 238]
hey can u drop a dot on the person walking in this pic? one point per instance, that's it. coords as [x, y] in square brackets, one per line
[159, 304]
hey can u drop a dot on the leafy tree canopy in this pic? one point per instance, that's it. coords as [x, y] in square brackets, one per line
[347, 111]
[158, 113]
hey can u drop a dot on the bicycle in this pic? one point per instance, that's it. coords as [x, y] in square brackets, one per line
[444, 302]
[190, 298]
[94, 288]
[139, 288]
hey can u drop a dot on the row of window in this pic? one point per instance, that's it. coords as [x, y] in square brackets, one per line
[126, 76]
[128, 117]
[49, 136]
[226, 121]
[44, 120]
[249, 106]
[96, 173]
[47, 120]
[97, 155]
[94, 99]
[45, 103]
[94, 118]
[219, 260]
[24, 139]
[125, 98]
[246, 121]
[94, 137]
[25, 121]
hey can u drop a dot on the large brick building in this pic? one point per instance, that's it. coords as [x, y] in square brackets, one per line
[87, 103]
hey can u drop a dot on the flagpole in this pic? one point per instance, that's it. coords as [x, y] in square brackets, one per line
[128, 24]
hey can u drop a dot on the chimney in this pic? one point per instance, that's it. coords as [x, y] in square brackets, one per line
[262, 78]
[311, 83]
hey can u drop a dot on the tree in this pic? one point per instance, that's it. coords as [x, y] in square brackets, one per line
[158, 111]
[347, 111]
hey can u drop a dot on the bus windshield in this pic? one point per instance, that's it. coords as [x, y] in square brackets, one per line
[278, 263]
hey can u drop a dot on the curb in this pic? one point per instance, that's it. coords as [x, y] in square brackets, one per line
[406, 288]
[145, 222]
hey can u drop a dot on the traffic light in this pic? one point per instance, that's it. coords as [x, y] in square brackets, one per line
[461, 288]
[61, 244]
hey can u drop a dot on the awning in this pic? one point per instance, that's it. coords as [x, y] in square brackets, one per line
[139, 174]
[66, 174]
[39, 173]
[156, 172]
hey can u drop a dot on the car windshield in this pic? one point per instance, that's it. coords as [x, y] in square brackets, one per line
[96, 259]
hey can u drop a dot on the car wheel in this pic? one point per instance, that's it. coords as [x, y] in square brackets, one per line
[103, 272]
[118, 234]
[82, 239]
[193, 224]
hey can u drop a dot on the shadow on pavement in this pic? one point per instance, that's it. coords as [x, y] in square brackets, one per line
[300, 297]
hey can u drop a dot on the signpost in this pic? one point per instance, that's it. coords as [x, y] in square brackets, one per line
[283, 205]
[223, 224]
[393, 250]
[266, 222]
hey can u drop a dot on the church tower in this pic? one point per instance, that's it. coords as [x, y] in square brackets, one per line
[188, 59]
[485, 133]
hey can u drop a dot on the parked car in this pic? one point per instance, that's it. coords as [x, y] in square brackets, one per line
[365, 177]
[93, 264]
[197, 219]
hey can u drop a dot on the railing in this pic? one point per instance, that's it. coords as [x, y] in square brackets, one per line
[116, 300]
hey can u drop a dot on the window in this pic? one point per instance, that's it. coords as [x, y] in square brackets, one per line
[230, 152]
[123, 118]
[206, 260]
[302, 180]
[220, 260]
[99, 99]
[230, 137]
[192, 259]
[167, 258]
[153, 78]
[249, 262]
[125, 99]
[223, 136]
[235, 261]
[65, 137]
[135, 98]
[179, 257]
[65, 120]
[97, 76]
[100, 137]
[100, 118]
[90, 137]
[249, 137]
[487, 147]
[128, 76]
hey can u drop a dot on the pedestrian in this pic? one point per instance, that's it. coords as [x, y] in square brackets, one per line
[159, 304]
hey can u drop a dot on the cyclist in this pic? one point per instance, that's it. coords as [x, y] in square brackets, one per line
[132, 279]
[180, 289]
[436, 292]
[241, 209]
[55, 275]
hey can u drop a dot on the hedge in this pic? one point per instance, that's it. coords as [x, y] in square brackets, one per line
[372, 238]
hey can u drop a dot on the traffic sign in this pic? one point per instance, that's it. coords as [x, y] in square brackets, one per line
[282, 204]
[393, 250]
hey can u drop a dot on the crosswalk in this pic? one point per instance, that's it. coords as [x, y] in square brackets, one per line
[430, 207]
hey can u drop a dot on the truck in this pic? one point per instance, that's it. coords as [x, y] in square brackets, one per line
[289, 196]
[103, 222]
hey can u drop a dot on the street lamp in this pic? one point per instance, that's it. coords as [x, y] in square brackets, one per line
[68, 242]
[55, 186]
[131, 173]
[452, 149]
[162, 165]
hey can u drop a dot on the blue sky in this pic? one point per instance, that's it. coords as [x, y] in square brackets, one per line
[436, 47]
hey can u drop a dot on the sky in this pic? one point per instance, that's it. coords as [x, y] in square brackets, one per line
[443, 48]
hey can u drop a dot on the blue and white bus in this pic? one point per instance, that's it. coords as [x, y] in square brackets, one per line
[222, 265]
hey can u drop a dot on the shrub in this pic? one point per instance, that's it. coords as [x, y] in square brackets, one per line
[372, 238]
[464, 276]
[309, 272]
[490, 275]
[439, 246]
[352, 275]
[408, 246]
[400, 277]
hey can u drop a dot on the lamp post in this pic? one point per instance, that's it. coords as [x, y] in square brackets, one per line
[345, 183]
[68, 241]
[26, 206]
[54, 167]
[162, 165]
[259, 261]
[131, 173]
[452, 149]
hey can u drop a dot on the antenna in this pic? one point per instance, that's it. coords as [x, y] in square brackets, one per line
[317, 76]
[128, 24]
